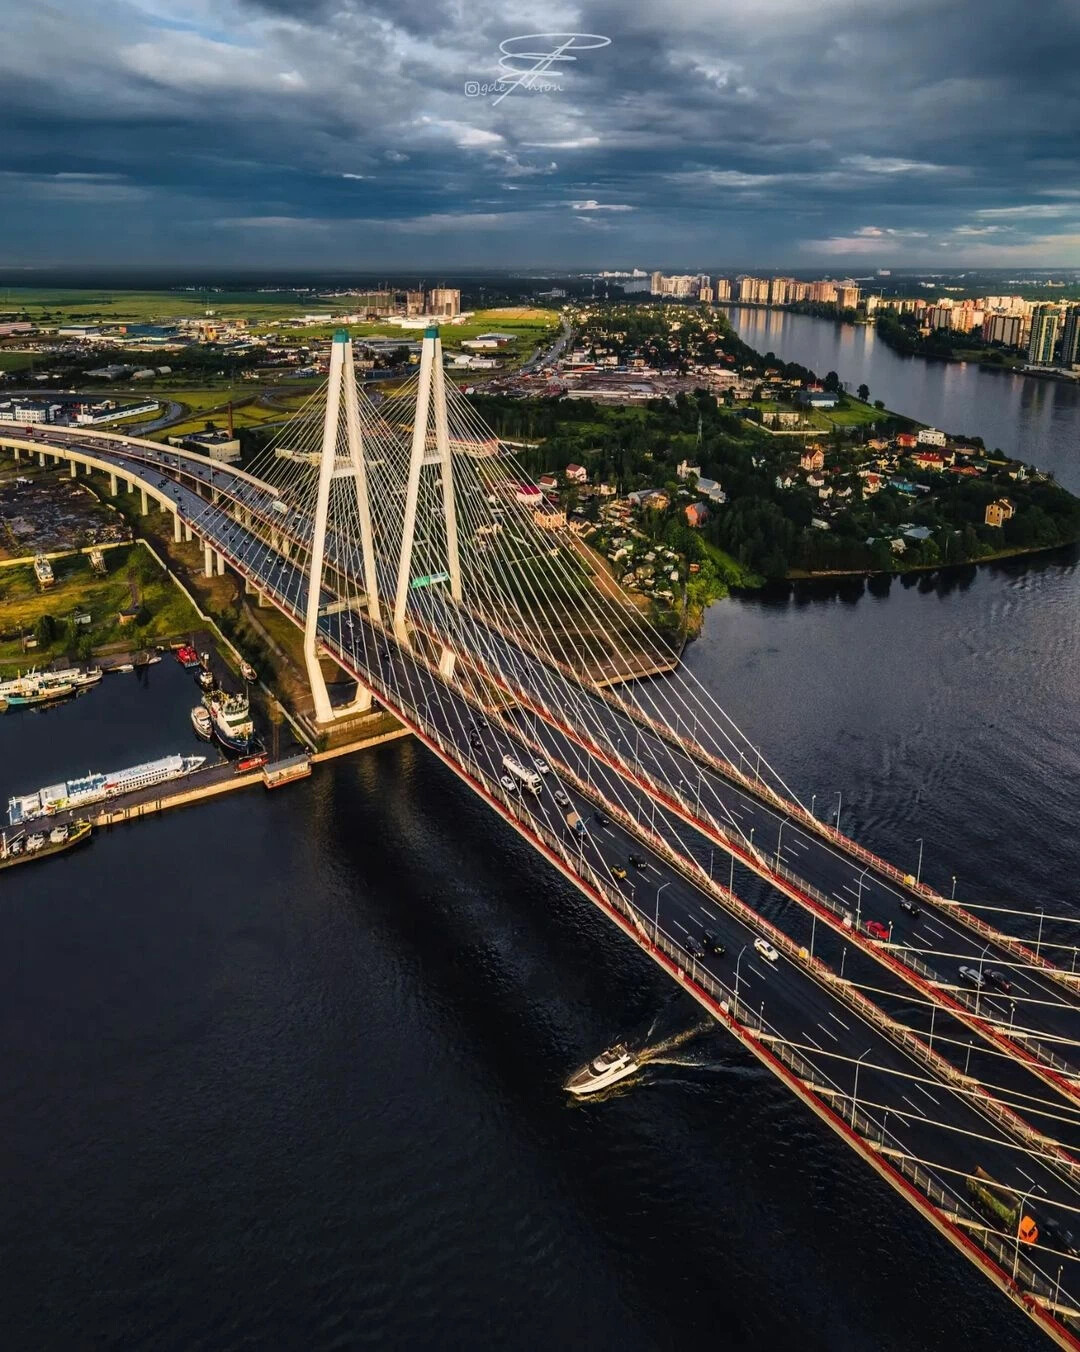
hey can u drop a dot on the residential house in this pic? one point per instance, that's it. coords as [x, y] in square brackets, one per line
[548, 482]
[684, 470]
[997, 513]
[929, 460]
[907, 441]
[930, 436]
[577, 474]
[812, 458]
[697, 514]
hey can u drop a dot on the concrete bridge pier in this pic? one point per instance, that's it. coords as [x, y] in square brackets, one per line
[208, 560]
[74, 469]
[112, 485]
[16, 450]
[41, 459]
[176, 527]
[221, 565]
[187, 532]
[142, 501]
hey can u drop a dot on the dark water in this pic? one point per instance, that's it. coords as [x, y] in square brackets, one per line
[1034, 419]
[283, 1071]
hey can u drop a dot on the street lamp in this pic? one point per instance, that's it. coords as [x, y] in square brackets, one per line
[779, 838]
[918, 871]
[839, 803]
[738, 961]
[813, 800]
[656, 922]
[978, 988]
[1038, 941]
[858, 898]
[1020, 1217]
[953, 895]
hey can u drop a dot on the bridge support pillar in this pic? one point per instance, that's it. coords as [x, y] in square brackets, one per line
[16, 450]
[41, 459]
[221, 565]
[249, 588]
[131, 485]
[142, 501]
[187, 532]
[112, 485]
[447, 659]
[74, 469]
[264, 601]
[176, 527]
[208, 561]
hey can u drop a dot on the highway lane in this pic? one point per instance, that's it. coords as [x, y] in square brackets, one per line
[787, 997]
[1033, 1002]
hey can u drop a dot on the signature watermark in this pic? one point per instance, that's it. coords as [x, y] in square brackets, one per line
[530, 60]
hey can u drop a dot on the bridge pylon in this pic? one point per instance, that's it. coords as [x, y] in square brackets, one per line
[338, 462]
[430, 406]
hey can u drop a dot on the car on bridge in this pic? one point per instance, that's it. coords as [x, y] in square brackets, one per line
[877, 930]
[693, 947]
[510, 785]
[601, 819]
[974, 976]
[542, 765]
[999, 981]
[639, 861]
[617, 871]
[766, 949]
[712, 944]
[910, 908]
[562, 798]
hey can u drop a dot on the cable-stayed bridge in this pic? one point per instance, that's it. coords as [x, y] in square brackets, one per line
[420, 559]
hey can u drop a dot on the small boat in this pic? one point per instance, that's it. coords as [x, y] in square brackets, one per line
[606, 1069]
[206, 679]
[248, 672]
[187, 656]
[202, 723]
[122, 666]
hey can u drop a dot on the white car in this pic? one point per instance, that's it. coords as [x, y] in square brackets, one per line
[542, 765]
[766, 949]
[562, 798]
[510, 785]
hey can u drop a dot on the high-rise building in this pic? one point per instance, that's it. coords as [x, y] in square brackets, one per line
[722, 289]
[414, 302]
[705, 295]
[656, 283]
[798, 291]
[1044, 327]
[847, 296]
[1004, 329]
[753, 290]
[778, 290]
[444, 303]
[824, 292]
[703, 279]
[1070, 337]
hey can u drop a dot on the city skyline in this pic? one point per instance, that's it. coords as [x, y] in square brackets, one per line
[240, 132]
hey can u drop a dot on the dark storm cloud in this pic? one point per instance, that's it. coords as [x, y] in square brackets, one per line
[753, 131]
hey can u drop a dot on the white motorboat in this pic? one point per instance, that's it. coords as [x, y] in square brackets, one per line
[606, 1069]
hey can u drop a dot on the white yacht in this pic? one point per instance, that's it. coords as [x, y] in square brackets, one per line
[606, 1069]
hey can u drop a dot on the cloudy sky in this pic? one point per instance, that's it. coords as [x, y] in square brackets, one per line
[706, 133]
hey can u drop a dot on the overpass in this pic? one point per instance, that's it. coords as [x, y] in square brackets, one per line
[419, 572]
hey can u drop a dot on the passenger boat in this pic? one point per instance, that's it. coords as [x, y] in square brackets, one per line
[248, 672]
[95, 788]
[206, 679]
[608, 1068]
[200, 721]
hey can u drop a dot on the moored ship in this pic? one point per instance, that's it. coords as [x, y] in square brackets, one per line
[200, 721]
[231, 717]
[15, 847]
[97, 787]
[187, 656]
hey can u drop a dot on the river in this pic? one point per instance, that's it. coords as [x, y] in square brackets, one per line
[1033, 419]
[284, 1070]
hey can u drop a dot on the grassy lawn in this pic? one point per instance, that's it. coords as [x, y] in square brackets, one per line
[144, 307]
[16, 361]
[132, 577]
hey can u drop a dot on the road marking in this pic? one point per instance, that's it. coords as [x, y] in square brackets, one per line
[755, 970]
[838, 1020]
[812, 1042]
[934, 931]
[829, 1032]
[913, 1105]
[928, 1094]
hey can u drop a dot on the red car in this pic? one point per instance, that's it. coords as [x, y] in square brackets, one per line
[877, 930]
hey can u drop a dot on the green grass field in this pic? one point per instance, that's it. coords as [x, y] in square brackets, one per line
[132, 577]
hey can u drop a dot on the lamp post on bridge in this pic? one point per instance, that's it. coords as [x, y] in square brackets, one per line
[738, 962]
[918, 871]
[1035, 1187]
[1038, 940]
[813, 800]
[779, 839]
[979, 986]
[839, 803]
[952, 896]
[656, 921]
[858, 898]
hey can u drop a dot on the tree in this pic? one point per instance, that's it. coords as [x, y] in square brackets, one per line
[864, 393]
[879, 403]
[832, 382]
[45, 631]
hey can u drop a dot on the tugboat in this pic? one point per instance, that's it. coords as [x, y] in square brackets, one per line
[201, 722]
[231, 716]
[206, 678]
[17, 849]
[606, 1069]
[248, 672]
